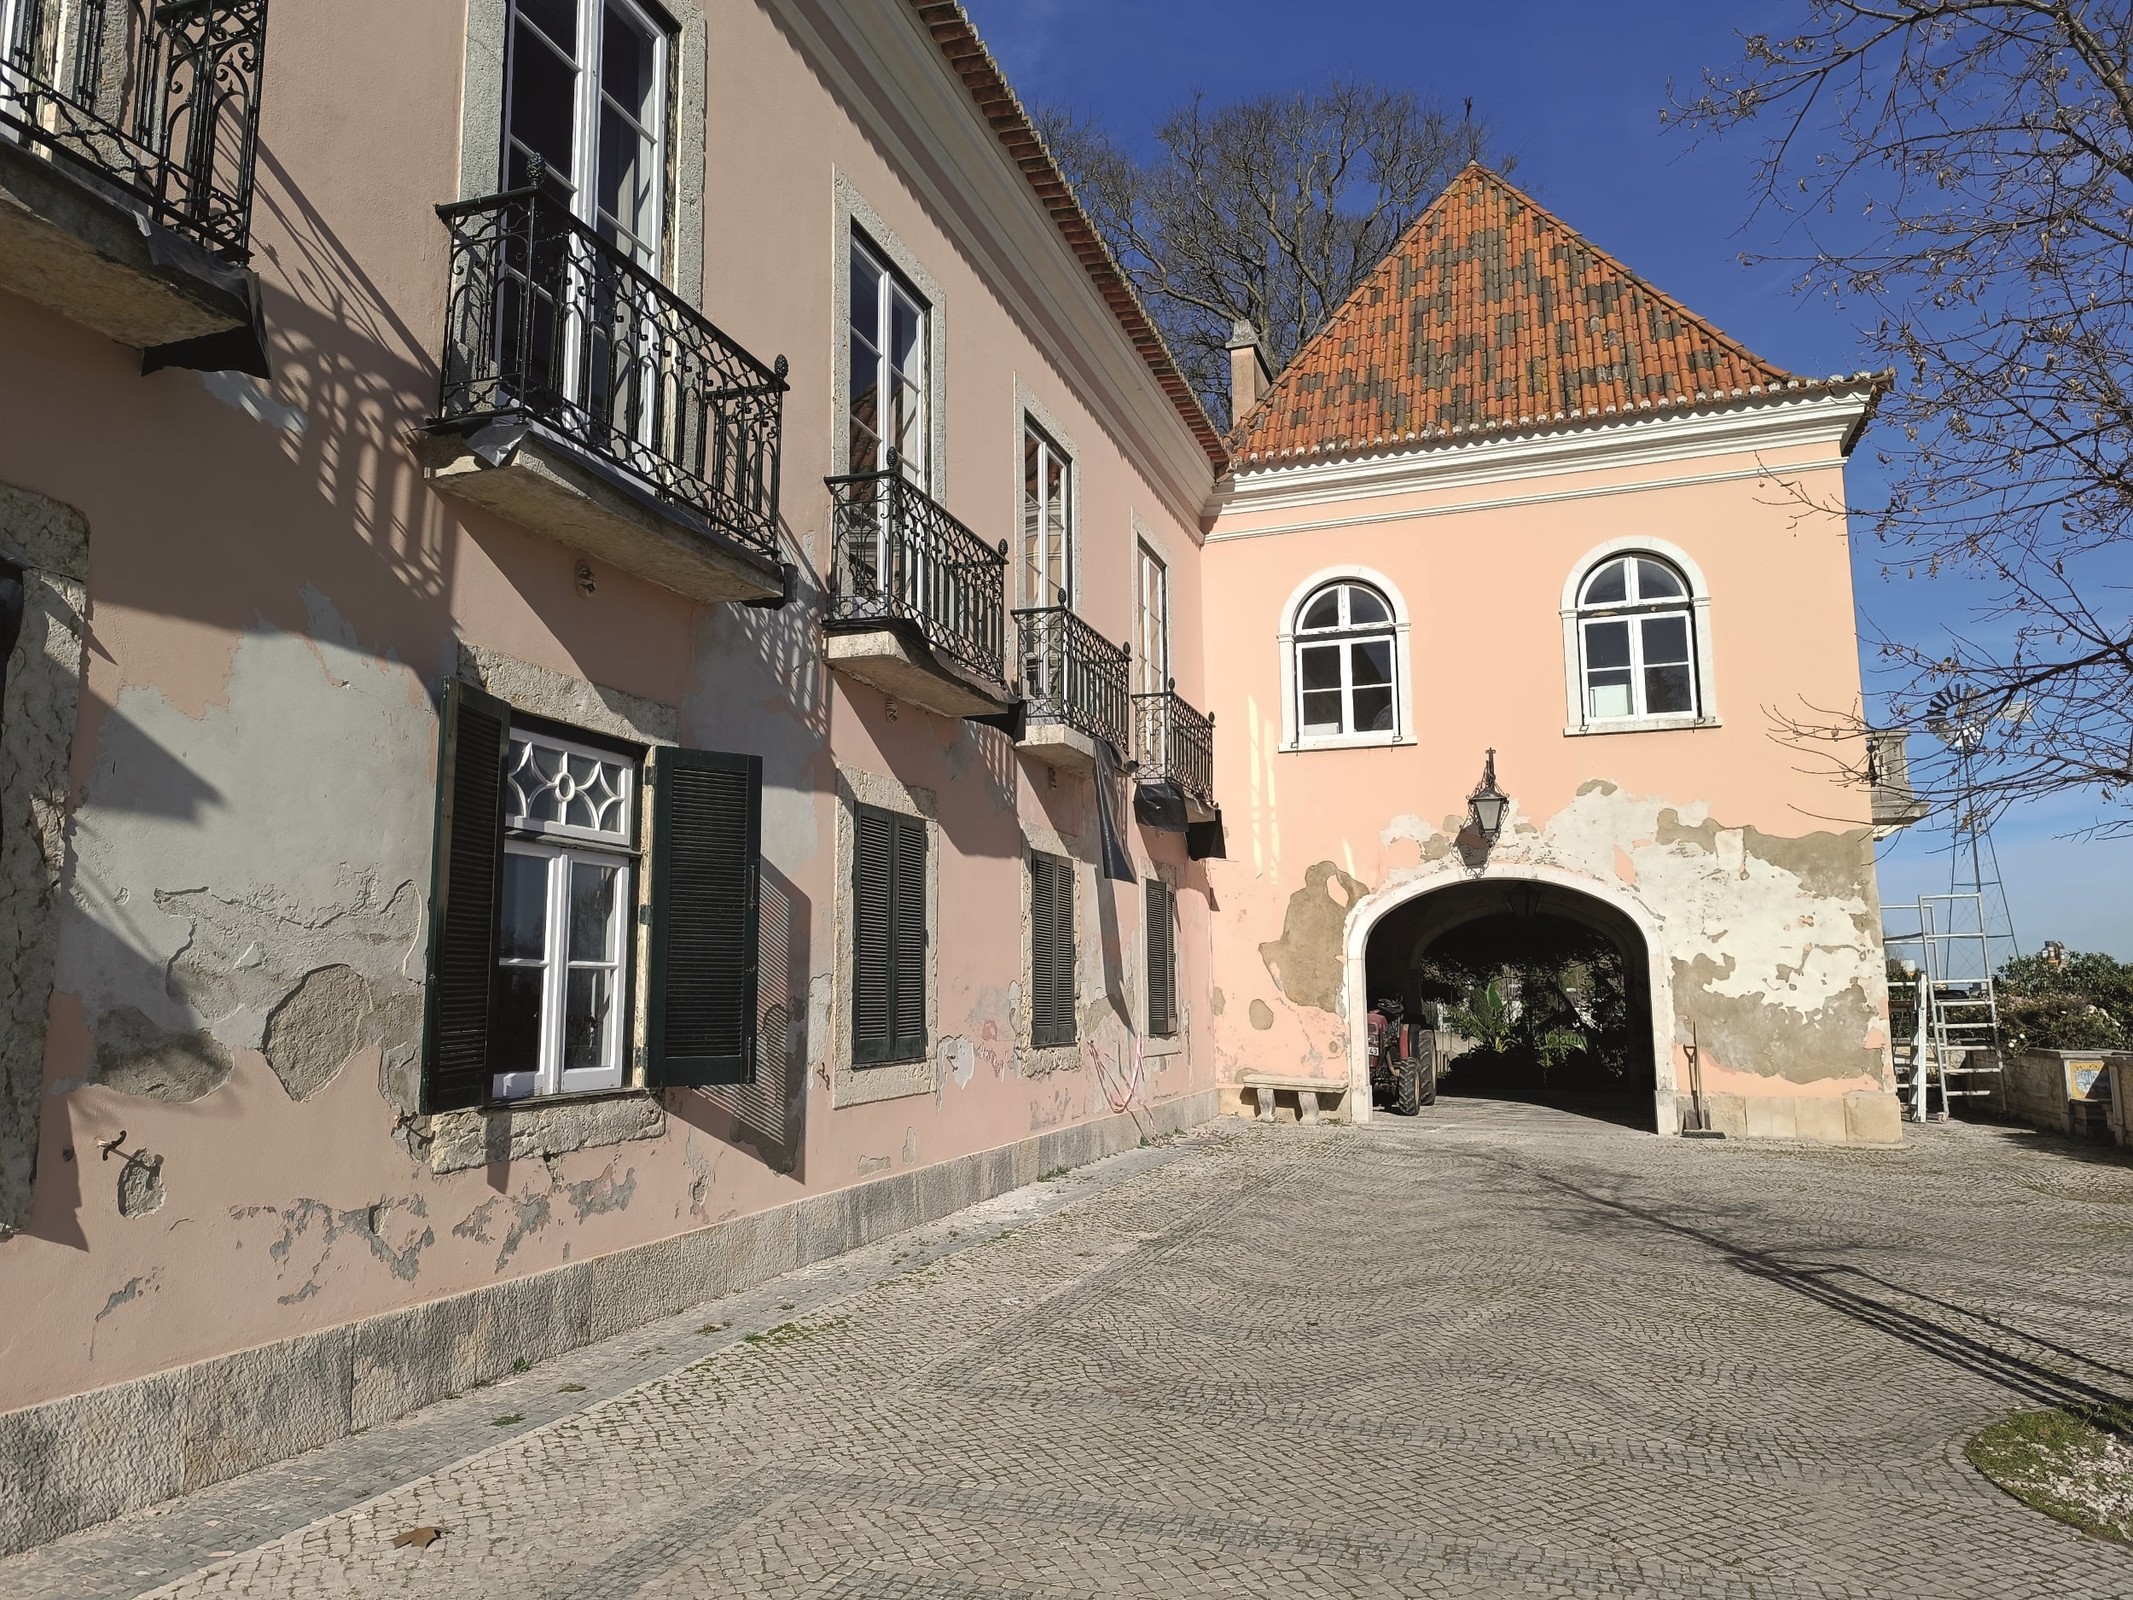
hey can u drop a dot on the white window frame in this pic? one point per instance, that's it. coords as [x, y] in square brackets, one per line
[1049, 445]
[892, 282]
[584, 136]
[1293, 738]
[1574, 616]
[1151, 622]
[561, 846]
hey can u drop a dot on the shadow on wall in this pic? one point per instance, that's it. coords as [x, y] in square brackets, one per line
[769, 1116]
[359, 378]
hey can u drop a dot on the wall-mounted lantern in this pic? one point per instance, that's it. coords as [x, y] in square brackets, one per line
[1488, 803]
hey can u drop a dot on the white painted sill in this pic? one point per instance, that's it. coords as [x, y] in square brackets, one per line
[1349, 741]
[1641, 725]
[1156, 1047]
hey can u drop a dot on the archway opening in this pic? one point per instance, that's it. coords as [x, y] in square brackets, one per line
[1529, 991]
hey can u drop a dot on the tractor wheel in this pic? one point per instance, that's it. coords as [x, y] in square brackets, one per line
[1426, 1071]
[1409, 1087]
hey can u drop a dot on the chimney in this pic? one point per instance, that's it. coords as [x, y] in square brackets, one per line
[1248, 374]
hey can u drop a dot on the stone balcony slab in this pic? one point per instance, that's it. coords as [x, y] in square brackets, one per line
[542, 482]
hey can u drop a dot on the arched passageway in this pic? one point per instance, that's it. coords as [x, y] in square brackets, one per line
[1536, 991]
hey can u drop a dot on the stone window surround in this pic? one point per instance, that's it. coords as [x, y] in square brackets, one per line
[852, 1085]
[50, 543]
[1403, 710]
[481, 129]
[1706, 713]
[850, 210]
[1031, 410]
[555, 1124]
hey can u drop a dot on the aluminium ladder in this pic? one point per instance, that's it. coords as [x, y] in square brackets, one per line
[1946, 1028]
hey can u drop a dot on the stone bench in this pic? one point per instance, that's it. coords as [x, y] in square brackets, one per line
[1310, 1093]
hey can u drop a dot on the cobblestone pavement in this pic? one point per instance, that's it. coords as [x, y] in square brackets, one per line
[1494, 1352]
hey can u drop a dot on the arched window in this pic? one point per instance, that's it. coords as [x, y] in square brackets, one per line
[1637, 644]
[1345, 682]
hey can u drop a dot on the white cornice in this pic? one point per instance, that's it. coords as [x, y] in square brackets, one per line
[1827, 420]
[891, 76]
[1497, 502]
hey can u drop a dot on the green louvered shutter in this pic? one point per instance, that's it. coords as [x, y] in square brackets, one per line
[888, 937]
[475, 738]
[707, 829]
[1052, 996]
[908, 1032]
[873, 935]
[1162, 962]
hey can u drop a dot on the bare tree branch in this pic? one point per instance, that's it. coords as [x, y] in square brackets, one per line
[1960, 174]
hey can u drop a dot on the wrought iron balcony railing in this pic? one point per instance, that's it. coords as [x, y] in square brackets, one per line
[901, 558]
[1072, 674]
[159, 98]
[1175, 744]
[549, 321]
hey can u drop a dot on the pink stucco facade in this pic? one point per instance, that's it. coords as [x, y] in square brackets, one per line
[233, 1213]
[1742, 852]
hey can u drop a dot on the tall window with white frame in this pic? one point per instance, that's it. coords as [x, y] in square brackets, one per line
[562, 959]
[1637, 641]
[586, 93]
[1344, 664]
[886, 409]
[1047, 520]
[1151, 622]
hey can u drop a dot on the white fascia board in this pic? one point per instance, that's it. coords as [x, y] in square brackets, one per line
[891, 75]
[1762, 423]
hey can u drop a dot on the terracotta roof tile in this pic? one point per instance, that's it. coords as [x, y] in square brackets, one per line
[1492, 315]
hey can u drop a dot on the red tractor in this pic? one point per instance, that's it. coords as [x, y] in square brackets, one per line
[1403, 1069]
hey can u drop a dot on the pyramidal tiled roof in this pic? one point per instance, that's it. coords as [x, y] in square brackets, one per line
[1492, 315]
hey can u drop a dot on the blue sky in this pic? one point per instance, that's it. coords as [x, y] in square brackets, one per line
[1574, 90]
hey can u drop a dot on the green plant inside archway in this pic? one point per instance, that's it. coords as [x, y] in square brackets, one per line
[1541, 1002]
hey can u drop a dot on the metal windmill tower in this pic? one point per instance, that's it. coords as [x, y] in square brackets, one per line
[1962, 722]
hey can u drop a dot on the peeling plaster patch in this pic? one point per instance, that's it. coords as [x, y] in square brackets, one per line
[1262, 1015]
[958, 1060]
[1216, 1002]
[319, 1228]
[135, 1055]
[475, 1224]
[1774, 943]
[706, 1173]
[910, 1152]
[1307, 961]
[225, 853]
[597, 1196]
[125, 1294]
[324, 1020]
[530, 1214]
[140, 1185]
[869, 1165]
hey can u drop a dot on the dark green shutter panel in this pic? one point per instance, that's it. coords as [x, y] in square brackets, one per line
[1162, 963]
[1041, 1022]
[475, 738]
[707, 831]
[909, 1029]
[873, 941]
[1052, 996]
